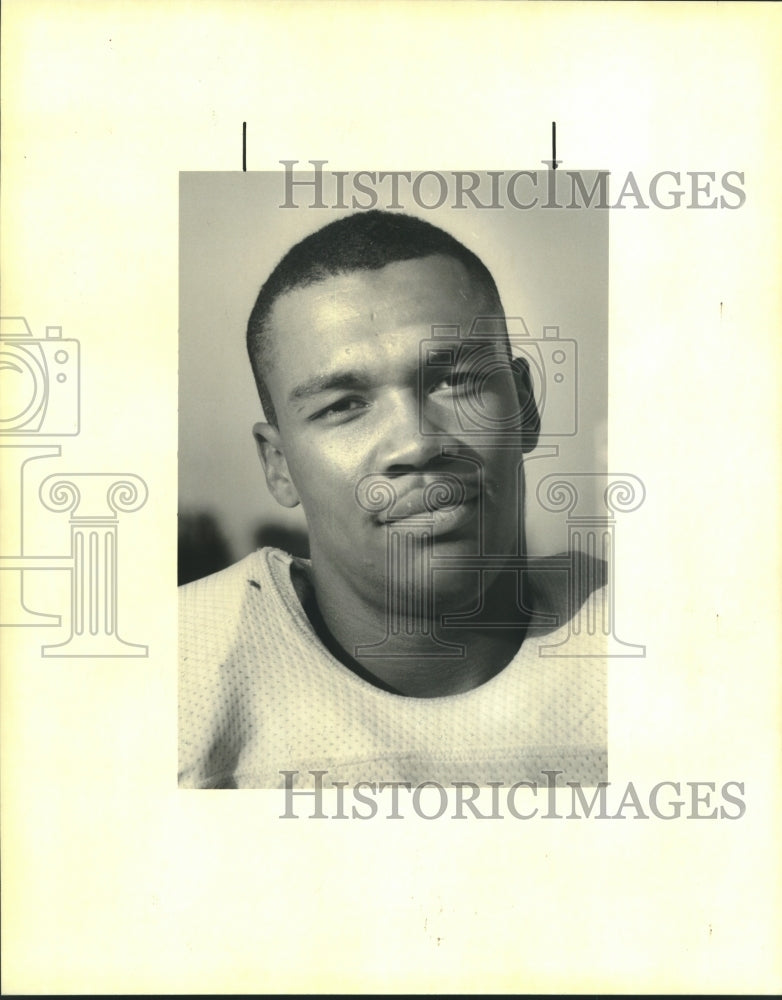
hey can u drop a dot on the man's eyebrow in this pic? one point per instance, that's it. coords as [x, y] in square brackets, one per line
[327, 381]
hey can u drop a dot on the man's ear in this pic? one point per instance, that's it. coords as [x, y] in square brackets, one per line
[275, 465]
[528, 408]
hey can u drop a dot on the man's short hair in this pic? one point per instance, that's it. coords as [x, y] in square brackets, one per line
[365, 241]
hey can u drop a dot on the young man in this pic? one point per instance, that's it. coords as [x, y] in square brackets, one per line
[408, 648]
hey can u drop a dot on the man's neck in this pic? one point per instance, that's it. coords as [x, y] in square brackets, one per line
[424, 658]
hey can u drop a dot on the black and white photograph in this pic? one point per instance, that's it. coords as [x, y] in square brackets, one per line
[423, 618]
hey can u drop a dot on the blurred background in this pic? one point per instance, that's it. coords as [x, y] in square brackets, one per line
[551, 268]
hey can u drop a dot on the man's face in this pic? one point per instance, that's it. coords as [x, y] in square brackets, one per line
[377, 433]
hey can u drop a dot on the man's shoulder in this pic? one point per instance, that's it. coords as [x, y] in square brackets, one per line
[224, 581]
[212, 608]
[562, 584]
[255, 570]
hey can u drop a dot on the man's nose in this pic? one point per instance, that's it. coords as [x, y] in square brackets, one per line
[412, 439]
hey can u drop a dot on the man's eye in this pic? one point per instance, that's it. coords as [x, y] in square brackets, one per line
[454, 381]
[340, 408]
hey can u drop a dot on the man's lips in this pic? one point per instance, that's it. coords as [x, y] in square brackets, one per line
[433, 501]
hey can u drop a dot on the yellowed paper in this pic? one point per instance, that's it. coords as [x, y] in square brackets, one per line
[116, 881]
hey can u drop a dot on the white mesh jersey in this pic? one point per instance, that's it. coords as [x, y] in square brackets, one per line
[259, 694]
